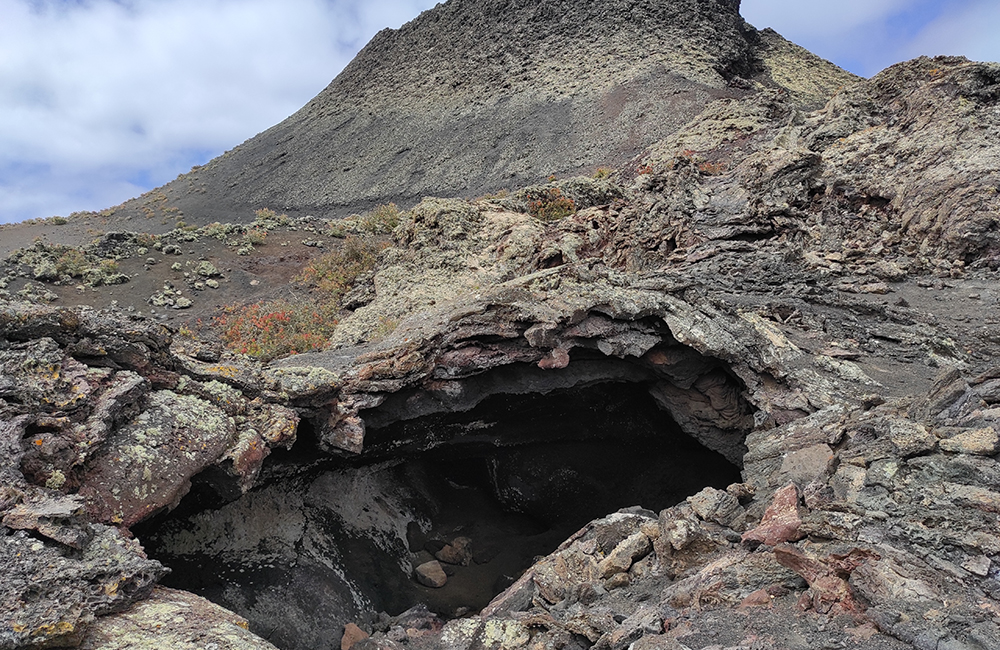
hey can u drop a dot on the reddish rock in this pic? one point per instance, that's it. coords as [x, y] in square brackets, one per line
[352, 634]
[827, 577]
[457, 552]
[344, 432]
[557, 358]
[781, 521]
[759, 598]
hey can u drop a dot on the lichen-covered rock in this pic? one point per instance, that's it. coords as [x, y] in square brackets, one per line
[978, 442]
[170, 619]
[146, 465]
[50, 595]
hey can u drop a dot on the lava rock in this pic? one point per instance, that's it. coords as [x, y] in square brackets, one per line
[979, 442]
[431, 574]
[781, 521]
[457, 552]
[171, 619]
[352, 635]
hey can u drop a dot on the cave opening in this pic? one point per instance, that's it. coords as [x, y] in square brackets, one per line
[481, 492]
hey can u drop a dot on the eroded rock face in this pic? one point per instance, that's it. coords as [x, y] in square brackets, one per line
[98, 428]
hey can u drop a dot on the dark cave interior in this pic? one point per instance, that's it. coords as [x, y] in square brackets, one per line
[324, 537]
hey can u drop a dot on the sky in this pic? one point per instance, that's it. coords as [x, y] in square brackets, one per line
[101, 100]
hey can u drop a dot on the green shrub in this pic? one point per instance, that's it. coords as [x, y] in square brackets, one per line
[381, 219]
[551, 205]
[255, 236]
[218, 230]
[72, 263]
[502, 193]
[334, 273]
[269, 219]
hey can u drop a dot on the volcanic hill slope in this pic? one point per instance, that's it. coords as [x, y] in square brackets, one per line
[476, 96]
[740, 393]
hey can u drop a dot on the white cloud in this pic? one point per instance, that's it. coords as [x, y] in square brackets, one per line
[866, 36]
[972, 31]
[100, 93]
[103, 99]
[817, 19]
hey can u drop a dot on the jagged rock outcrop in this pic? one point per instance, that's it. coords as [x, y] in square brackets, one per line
[777, 333]
[472, 97]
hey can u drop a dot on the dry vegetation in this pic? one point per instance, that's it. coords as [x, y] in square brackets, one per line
[272, 329]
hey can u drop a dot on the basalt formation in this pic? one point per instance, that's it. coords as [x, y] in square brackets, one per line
[740, 392]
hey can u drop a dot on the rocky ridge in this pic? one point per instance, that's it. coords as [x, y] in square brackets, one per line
[807, 294]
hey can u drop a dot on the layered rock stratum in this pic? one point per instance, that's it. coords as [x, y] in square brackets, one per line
[743, 394]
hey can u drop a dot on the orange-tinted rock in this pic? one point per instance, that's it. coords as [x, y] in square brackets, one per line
[827, 577]
[759, 598]
[431, 574]
[352, 635]
[781, 521]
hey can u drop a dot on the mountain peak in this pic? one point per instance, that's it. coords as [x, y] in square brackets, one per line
[471, 97]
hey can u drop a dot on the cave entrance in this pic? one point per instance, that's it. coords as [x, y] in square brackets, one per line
[325, 541]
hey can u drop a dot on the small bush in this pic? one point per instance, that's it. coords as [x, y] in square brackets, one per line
[108, 267]
[381, 219]
[274, 329]
[602, 173]
[334, 273]
[269, 219]
[551, 205]
[72, 263]
[255, 236]
[217, 230]
[278, 328]
[502, 193]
